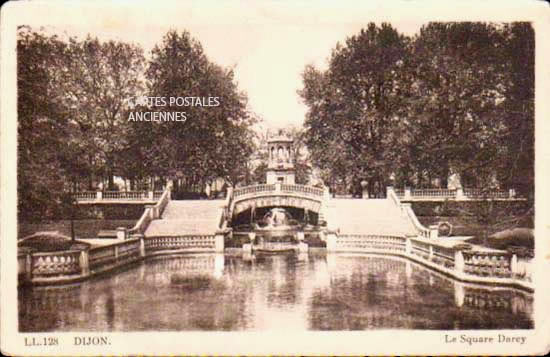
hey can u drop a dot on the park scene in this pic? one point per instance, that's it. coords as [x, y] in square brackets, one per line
[400, 196]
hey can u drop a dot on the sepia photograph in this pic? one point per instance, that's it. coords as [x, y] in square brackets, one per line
[233, 171]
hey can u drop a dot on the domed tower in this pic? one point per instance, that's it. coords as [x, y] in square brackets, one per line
[280, 167]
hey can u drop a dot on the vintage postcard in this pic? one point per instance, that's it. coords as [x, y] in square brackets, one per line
[275, 178]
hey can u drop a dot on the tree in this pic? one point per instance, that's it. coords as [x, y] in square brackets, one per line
[99, 78]
[215, 141]
[42, 125]
[354, 106]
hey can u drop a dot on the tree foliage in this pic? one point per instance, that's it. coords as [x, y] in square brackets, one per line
[448, 100]
[74, 101]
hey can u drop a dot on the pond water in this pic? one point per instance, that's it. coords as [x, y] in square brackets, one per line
[315, 291]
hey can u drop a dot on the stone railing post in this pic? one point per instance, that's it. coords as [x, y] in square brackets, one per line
[408, 246]
[278, 187]
[388, 190]
[434, 232]
[28, 266]
[460, 194]
[151, 195]
[514, 265]
[152, 213]
[121, 233]
[219, 242]
[99, 195]
[407, 196]
[84, 263]
[459, 261]
[116, 252]
[331, 238]
[431, 253]
[142, 247]
[326, 193]
[512, 193]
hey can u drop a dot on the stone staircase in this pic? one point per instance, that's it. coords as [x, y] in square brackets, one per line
[201, 217]
[372, 216]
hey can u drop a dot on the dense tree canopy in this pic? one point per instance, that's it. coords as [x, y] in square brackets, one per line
[449, 100]
[74, 104]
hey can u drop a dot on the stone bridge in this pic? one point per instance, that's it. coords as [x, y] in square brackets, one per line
[278, 194]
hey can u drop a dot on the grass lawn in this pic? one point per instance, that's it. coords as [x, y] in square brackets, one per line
[503, 237]
[85, 228]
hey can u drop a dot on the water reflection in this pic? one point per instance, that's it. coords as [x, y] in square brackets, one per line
[301, 292]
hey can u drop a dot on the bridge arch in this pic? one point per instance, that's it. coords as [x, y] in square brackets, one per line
[279, 194]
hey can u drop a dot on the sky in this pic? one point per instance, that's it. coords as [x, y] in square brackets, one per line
[268, 48]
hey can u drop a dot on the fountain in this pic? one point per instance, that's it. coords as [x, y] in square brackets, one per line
[276, 232]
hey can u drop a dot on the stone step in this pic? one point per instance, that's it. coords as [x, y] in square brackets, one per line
[375, 216]
[188, 217]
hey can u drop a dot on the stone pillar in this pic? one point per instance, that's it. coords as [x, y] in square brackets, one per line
[459, 294]
[247, 248]
[84, 263]
[28, 266]
[99, 195]
[512, 193]
[434, 232]
[116, 252]
[150, 195]
[121, 233]
[408, 246]
[219, 242]
[326, 193]
[407, 195]
[151, 209]
[219, 264]
[514, 265]
[331, 241]
[278, 187]
[460, 194]
[302, 247]
[365, 190]
[142, 247]
[251, 237]
[459, 262]
[300, 236]
[431, 253]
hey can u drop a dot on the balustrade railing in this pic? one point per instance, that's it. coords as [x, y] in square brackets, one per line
[433, 192]
[126, 195]
[50, 264]
[451, 259]
[421, 230]
[370, 242]
[308, 190]
[180, 242]
[487, 263]
[85, 195]
[241, 191]
[412, 194]
[110, 196]
[480, 193]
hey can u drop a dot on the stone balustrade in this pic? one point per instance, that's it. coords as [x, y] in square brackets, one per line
[306, 190]
[247, 190]
[460, 194]
[199, 242]
[495, 267]
[46, 268]
[53, 264]
[94, 197]
[150, 213]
